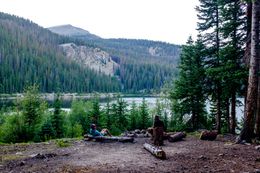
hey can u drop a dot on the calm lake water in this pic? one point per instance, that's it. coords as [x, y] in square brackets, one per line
[151, 101]
[66, 103]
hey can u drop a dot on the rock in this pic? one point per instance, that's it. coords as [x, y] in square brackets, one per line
[257, 171]
[202, 157]
[143, 131]
[257, 159]
[137, 131]
[93, 58]
[221, 155]
[45, 156]
[257, 147]
[22, 163]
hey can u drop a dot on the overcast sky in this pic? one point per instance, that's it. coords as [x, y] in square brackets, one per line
[171, 21]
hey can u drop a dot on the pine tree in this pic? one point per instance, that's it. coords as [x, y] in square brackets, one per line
[95, 113]
[233, 70]
[144, 115]
[121, 113]
[209, 27]
[158, 108]
[32, 107]
[188, 93]
[133, 116]
[108, 115]
[250, 107]
[165, 120]
[57, 119]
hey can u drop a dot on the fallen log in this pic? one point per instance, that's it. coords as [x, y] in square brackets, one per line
[155, 151]
[176, 137]
[108, 138]
[208, 135]
[166, 135]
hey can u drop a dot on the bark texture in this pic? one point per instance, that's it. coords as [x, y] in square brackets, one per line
[176, 137]
[155, 151]
[106, 138]
[208, 135]
[247, 132]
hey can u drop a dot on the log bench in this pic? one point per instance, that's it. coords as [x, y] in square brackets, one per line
[155, 151]
[108, 138]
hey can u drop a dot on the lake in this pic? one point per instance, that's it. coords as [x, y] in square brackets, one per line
[150, 100]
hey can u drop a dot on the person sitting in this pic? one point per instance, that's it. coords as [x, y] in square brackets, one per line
[158, 130]
[94, 132]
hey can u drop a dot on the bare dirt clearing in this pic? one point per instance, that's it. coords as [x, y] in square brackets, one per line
[189, 155]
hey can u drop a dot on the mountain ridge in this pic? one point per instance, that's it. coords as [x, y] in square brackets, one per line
[143, 64]
[69, 30]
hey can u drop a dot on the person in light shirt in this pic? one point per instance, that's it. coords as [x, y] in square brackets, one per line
[94, 132]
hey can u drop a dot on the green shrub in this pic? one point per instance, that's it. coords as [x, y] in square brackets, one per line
[62, 143]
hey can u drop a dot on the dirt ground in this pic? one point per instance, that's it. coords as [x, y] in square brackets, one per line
[189, 155]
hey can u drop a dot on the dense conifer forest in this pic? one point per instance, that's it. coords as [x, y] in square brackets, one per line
[31, 54]
[220, 66]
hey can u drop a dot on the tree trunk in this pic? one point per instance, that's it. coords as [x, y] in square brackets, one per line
[233, 113]
[227, 104]
[155, 151]
[219, 112]
[248, 34]
[248, 128]
[158, 136]
[176, 137]
[219, 91]
[248, 46]
[257, 123]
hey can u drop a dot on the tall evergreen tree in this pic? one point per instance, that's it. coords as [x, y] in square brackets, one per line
[133, 116]
[188, 94]
[231, 56]
[251, 102]
[95, 113]
[144, 115]
[209, 27]
[32, 108]
[122, 114]
[57, 119]
[108, 115]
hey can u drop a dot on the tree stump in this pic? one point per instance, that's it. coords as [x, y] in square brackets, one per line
[208, 135]
[158, 136]
[176, 137]
[155, 151]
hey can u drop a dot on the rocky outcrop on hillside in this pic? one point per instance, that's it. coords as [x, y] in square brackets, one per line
[154, 51]
[94, 58]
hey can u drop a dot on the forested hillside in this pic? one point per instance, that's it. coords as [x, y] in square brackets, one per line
[30, 54]
[144, 65]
